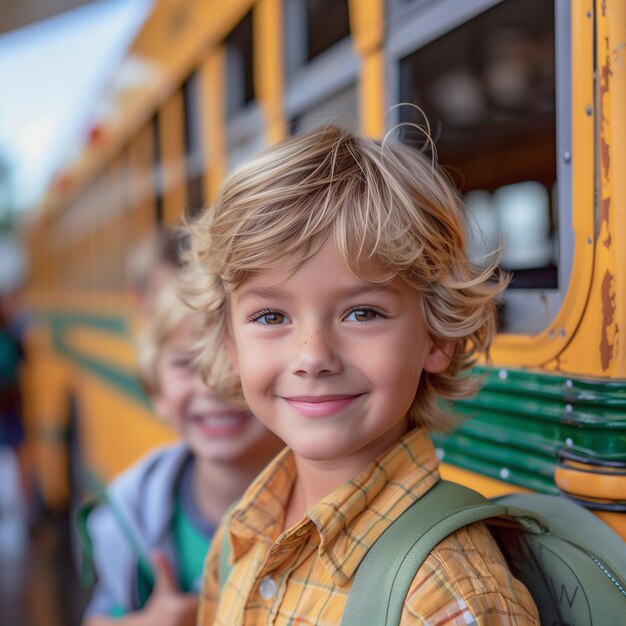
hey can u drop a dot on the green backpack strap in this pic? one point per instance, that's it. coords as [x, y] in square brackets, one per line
[144, 563]
[572, 563]
[385, 574]
[86, 573]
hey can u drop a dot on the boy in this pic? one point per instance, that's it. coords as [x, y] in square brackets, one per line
[162, 512]
[334, 276]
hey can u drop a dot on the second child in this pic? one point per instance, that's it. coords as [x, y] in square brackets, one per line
[150, 536]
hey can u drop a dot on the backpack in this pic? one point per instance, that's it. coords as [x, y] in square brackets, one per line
[573, 564]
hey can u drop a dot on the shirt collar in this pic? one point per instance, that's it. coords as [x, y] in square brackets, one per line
[350, 519]
[260, 513]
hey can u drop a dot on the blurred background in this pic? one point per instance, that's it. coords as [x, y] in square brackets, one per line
[118, 117]
[56, 59]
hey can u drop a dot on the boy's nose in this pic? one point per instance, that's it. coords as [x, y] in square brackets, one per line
[316, 354]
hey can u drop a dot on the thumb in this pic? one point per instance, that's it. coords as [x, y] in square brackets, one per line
[164, 579]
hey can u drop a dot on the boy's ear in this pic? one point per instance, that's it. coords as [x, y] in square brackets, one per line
[439, 355]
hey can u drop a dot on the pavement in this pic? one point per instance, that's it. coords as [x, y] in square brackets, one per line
[38, 580]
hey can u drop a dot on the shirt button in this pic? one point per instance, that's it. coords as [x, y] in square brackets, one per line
[267, 588]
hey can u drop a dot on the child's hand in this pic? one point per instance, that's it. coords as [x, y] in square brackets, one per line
[167, 606]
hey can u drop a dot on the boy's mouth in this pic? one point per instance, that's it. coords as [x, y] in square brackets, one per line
[321, 406]
[221, 424]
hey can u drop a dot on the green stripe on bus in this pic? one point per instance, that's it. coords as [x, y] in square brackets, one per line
[122, 380]
[116, 324]
[520, 422]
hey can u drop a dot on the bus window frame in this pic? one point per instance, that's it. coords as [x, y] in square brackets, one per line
[309, 83]
[194, 158]
[244, 134]
[412, 28]
[244, 121]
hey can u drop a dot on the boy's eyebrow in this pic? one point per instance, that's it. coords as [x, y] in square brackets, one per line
[366, 289]
[352, 292]
[260, 292]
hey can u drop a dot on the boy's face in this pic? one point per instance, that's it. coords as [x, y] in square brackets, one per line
[213, 428]
[329, 362]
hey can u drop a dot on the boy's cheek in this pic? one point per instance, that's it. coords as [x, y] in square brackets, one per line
[161, 406]
[231, 348]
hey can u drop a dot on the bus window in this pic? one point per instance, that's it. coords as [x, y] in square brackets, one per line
[158, 170]
[240, 86]
[339, 109]
[142, 187]
[245, 124]
[487, 88]
[483, 229]
[327, 24]
[312, 27]
[172, 156]
[321, 65]
[194, 158]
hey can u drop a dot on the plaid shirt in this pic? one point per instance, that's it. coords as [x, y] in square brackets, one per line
[303, 576]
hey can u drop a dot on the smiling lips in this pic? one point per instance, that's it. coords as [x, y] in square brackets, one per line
[222, 424]
[320, 406]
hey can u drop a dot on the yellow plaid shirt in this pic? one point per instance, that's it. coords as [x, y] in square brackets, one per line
[303, 576]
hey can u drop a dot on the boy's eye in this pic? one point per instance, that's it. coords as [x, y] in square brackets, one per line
[362, 314]
[270, 318]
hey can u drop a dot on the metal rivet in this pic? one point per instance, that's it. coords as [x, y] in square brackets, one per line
[569, 408]
[563, 332]
[589, 240]
[588, 14]
[588, 110]
[503, 374]
[567, 156]
[441, 453]
[569, 442]
[569, 384]
[504, 473]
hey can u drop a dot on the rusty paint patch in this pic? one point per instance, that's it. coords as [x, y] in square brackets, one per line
[605, 207]
[606, 71]
[607, 242]
[608, 314]
[605, 154]
[605, 86]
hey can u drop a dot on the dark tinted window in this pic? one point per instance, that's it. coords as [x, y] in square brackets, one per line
[194, 158]
[239, 65]
[327, 24]
[487, 89]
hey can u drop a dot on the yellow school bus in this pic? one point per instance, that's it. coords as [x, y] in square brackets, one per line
[525, 103]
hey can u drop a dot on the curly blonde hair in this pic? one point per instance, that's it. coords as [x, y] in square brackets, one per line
[380, 200]
[168, 314]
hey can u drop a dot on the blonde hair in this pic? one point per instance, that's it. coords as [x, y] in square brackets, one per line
[167, 315]
[379, 200]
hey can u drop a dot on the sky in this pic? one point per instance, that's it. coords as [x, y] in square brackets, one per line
[51, 74]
